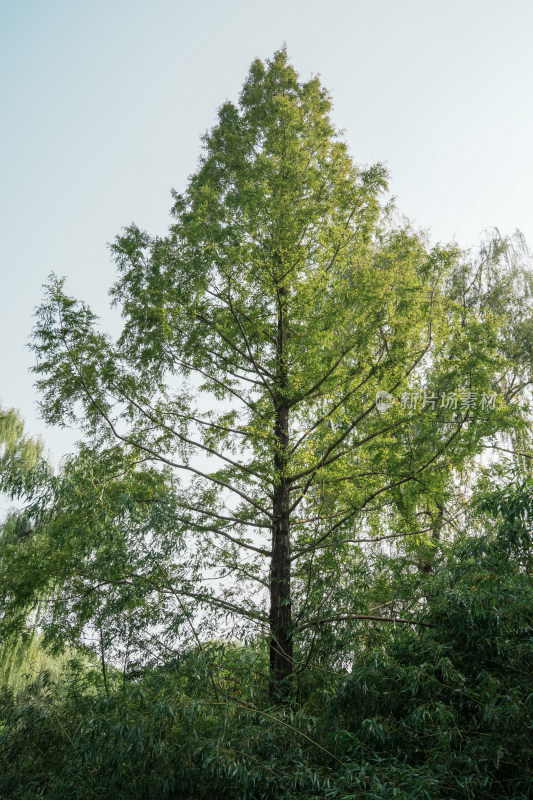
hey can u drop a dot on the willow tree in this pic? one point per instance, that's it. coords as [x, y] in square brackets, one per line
[19, 454]
[23, 472]
[256, 337]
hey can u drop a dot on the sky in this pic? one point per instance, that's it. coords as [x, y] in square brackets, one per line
[103, 105]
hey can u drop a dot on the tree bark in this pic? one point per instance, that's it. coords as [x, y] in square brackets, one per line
[281, 664]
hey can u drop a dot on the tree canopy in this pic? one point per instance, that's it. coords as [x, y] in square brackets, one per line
[291, 531]
[257, 337]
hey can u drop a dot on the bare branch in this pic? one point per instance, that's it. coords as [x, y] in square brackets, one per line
[158, 456]
[370, 617]
[159, 423]
[222, 532]
[370, 540]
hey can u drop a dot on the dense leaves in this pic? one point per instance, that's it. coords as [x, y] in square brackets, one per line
[439, 713]
[257, 336]
[291, 557]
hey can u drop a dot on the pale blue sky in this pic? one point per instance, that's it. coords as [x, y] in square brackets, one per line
[103, 105]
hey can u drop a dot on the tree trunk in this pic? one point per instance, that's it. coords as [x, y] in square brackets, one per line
[280, 577]
[281, 665]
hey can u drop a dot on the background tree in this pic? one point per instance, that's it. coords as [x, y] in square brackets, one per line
[256, 337]
[19, 454]
[23, 475]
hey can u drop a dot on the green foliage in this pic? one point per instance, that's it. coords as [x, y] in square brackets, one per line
[234, 454]
[443, 712]
[453, 704]
[20, 456]
[256, 336]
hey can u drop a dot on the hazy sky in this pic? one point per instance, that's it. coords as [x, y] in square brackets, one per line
[103, 106]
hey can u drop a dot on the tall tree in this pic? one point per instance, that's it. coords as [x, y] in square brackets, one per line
[257, 335]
